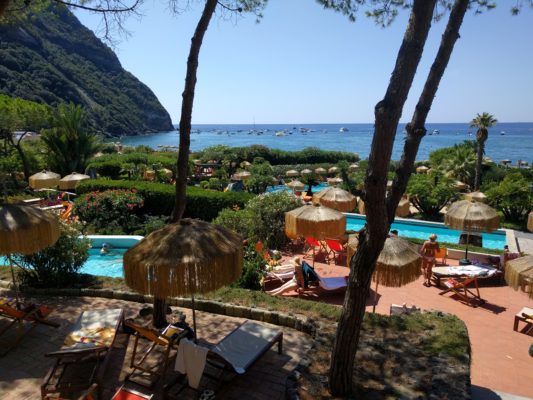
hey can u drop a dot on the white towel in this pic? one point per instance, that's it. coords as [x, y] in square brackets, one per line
[190, 361]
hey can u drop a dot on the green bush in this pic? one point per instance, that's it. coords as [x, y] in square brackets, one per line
[159, 198]
[57, 265]
[430, 192]
[262, 219]
[252, 272]
[110, 211]
[511, 196]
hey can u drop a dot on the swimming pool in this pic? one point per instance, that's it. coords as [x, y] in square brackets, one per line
[279, 188]
[109, 264]
[422, 230]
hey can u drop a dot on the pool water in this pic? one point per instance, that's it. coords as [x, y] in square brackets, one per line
[422, 230]
[109, 264]
[279, 188]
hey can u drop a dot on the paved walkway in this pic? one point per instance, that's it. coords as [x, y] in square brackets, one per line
[23, 368]
[500, 360]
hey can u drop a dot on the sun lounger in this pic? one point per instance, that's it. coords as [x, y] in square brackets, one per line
[234, 354]
[25, 317]
[88, 344]
[524, 315]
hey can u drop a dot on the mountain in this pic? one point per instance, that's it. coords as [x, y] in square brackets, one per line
[53, 58]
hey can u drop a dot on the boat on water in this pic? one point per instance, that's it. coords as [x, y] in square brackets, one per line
[435, 132]
[280, 133]
[343, 129]
[502, 133]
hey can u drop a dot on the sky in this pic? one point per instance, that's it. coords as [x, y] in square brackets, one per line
[304, 64]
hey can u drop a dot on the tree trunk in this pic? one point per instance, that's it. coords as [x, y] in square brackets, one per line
[186, 110]
[387, 114]
[479, 162]
[3, 6]
[416, 128]
[159, 314]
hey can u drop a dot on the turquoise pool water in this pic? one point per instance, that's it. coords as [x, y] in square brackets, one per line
[415, 229]
[279, 188]
[104, 265]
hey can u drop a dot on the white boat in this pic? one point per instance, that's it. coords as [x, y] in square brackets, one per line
[280, 133]
[436, 131]
[343, 129]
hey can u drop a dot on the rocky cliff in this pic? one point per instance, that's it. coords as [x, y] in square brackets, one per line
[53, 58]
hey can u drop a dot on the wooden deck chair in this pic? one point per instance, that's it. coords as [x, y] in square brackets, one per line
[24, 317]
[460, 288]
[442, 253]
[86, 350]
[327, 284]
[167, 340]
[336, 249]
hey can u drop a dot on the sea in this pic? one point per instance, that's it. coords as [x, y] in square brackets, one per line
[511, 141]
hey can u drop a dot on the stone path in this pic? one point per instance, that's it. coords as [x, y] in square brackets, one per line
[23, 368]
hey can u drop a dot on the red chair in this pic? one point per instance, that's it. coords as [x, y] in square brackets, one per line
[312, 245]
[337, 249]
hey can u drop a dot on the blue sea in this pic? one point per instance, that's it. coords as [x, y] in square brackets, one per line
[513, 141]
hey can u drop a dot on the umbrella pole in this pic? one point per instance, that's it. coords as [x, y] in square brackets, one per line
[14, 281]
[193, 318]
[467, 241]
[376, 293]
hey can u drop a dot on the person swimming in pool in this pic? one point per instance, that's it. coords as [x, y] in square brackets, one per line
[105, 249]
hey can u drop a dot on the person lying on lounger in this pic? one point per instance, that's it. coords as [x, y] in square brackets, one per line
[302, 268]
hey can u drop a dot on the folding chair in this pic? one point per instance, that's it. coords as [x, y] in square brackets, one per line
[441, 253]
[459, 288]
[167, 340]
[19, 314]
[337, 249]
[314, 247]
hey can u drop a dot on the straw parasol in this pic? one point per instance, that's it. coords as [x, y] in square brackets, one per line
[166, 172]
[476, 196]
[458, 185]
[471, 216]
[242, 175]
[353, 167]
[306, 172]
[334, 181]
[71, 181]
[422, 169]
[404, 207]
[320, 171]
[518, 272]
[44, 179]
[336, 198]
[245, 164]
[25, 230]
[398, 264]
[315, 221]
[333, 170]
[184, 258]
[296, 185]
[530, 222]
[291, 173]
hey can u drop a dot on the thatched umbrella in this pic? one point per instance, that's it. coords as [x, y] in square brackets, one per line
[184, 258]
[336, 198]
[519, 270]
[334, 181]
[291, 173]
[245, 164]
[404, 207]
[320, 171]
[476, 196]
[471, 216]
[422, 169]
[353, 167]
[530, 222]
[458, 185]
[296, 185]
[44, 179]
[167, 173]
[316, 221]
[333, 170]
[71, 181]
[242, 175]
[25, 230]
[306, 172]
[398, 264]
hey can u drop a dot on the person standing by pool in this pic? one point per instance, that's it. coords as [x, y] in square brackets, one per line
[428, 250]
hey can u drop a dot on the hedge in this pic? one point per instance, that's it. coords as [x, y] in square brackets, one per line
[159, 197]
[110, 165]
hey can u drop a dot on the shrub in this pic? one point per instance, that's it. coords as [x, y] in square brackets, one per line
[111, 211]
[430, 192]
[511, 196]
[159, 198]
[252, 272]
[239, 221]
[57, 265]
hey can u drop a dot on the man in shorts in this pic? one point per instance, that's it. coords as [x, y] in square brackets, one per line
[428, 251]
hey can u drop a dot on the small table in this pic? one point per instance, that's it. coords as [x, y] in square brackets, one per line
[520, 317]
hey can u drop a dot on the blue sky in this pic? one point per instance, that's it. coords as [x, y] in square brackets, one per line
[304, 64]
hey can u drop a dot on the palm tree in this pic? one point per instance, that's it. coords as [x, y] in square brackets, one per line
[460, 164]
[482, 122]
[69, 143]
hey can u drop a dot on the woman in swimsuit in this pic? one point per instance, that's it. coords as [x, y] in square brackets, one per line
[427, 252]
